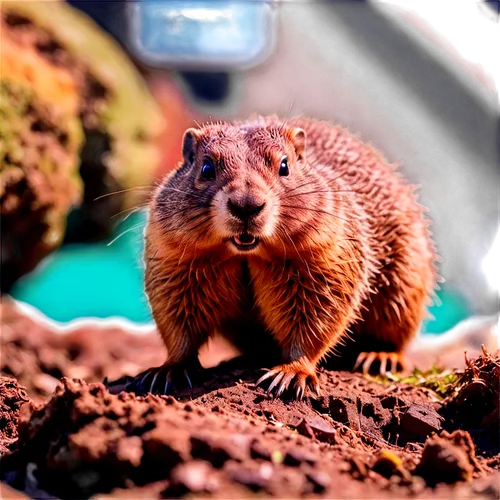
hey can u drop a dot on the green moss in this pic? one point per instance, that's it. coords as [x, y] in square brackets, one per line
[20, 155]
[16, 100]
[436, 379]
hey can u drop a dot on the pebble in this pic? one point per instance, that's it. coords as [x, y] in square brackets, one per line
[195, 477]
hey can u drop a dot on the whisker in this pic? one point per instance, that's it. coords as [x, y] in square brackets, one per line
[317, 192]
[317, 210]
[188, 221]
[149, 188]
[193, 195]
[133, 228]
[182, 210]
[301, 222]
[273, 184]
[130, 210]
[300, 186]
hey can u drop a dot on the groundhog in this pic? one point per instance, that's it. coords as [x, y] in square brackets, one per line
[286, 237]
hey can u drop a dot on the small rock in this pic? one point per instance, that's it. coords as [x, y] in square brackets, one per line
[241, 441]
[305, 429]
[218, 450]
[192, 477]
[443, 462]
[317, 427]
[420, 421]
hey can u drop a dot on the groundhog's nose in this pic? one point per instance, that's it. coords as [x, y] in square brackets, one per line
[244, 209]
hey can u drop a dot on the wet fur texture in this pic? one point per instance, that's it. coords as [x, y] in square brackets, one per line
[344, 250]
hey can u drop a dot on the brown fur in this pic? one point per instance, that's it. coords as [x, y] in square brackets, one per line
[344, 248]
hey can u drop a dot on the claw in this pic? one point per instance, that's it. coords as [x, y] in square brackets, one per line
[368, 362]
[389, 362]
[299, 393]
[264, 377]
[291, 375]
[393, 362]
[276, 381]
[316, 389]
[359, 360]
[168, 385]
[186, 374]
[383, 363]
[284, 384]
[151, 388]
[147, 373]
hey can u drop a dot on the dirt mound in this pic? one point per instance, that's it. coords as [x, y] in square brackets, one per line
[37, 355]
[247, 443]
[236, 441]
[227, 438]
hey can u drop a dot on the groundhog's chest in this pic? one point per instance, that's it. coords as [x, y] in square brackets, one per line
[227, 286]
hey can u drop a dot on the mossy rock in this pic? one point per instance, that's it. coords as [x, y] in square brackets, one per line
[120, 118]
[40, 140]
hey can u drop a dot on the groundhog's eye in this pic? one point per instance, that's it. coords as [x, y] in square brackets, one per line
[208, 169]
[284, 167]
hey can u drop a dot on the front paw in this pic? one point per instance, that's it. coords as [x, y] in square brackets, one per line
[158, 380]
[295, 375]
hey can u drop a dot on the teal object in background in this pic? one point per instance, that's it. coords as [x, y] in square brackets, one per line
[449, 308]
[105, 280]
[102, 280]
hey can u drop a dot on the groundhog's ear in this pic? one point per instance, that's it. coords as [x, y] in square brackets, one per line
[189, 142]
[298, 138]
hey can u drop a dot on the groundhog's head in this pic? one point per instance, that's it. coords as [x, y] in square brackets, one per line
[247, 187]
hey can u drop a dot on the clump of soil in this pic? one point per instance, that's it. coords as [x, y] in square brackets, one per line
[448, 459]
[475, 400]
[227, 438]
[12, 397]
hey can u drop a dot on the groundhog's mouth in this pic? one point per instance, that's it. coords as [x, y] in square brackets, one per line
[245, 241]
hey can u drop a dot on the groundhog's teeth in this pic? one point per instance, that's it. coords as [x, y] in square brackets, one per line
[248, 240]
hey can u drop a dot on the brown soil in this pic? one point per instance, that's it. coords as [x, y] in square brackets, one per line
[226, 438]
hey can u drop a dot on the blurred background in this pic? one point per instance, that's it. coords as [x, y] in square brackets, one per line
[417, 79]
